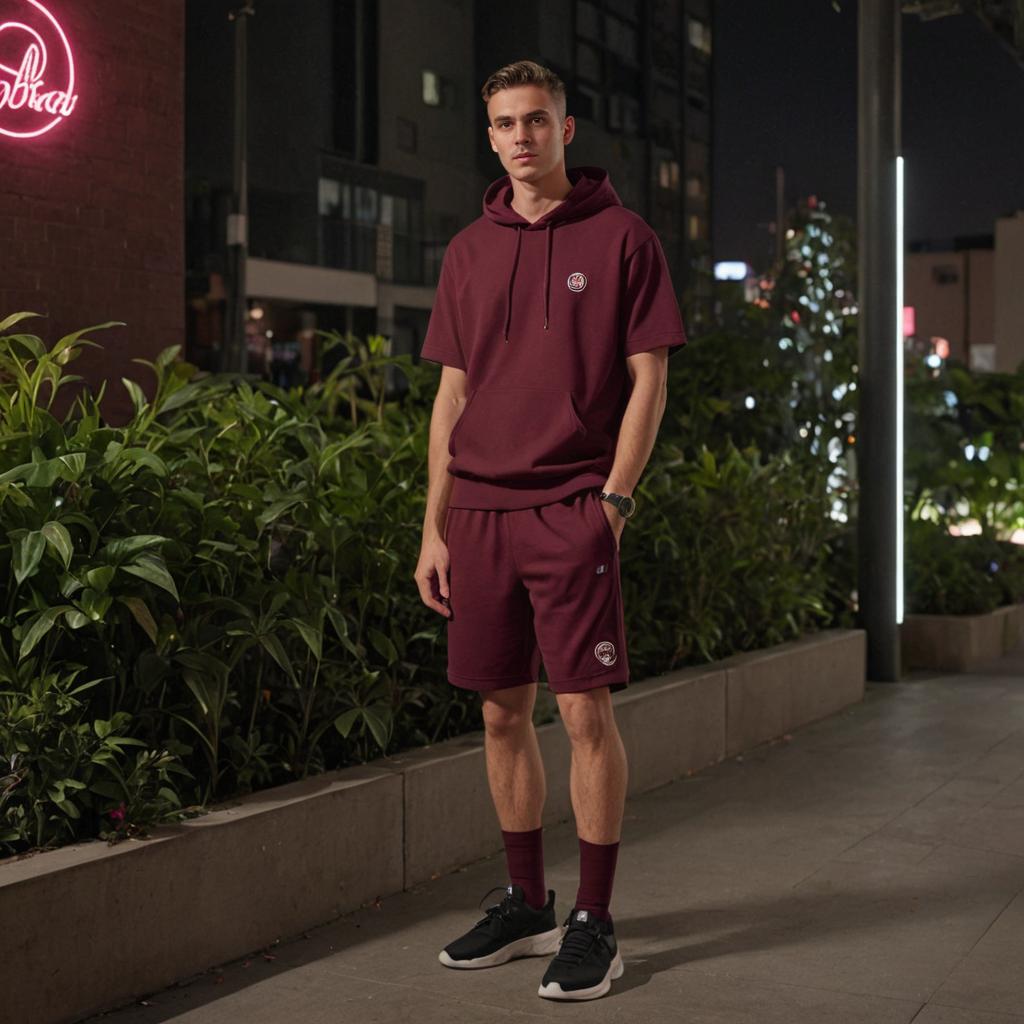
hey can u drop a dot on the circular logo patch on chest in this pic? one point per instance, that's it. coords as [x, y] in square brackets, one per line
[605, 652]
[577, 282]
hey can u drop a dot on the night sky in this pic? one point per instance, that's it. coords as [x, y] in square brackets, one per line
[786, 92]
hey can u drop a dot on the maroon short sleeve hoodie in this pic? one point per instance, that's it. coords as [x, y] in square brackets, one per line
[541, 318]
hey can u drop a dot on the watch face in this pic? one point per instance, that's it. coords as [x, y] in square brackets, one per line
[627, 506]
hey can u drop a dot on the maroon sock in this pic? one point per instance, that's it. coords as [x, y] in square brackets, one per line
[524, 852]
[597, 872]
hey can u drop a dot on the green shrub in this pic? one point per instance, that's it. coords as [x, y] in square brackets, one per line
[215, 597]
[965, 447]
[950, 575]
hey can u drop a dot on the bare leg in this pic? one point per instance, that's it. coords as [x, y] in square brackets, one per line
[515, 770]
[599, 773]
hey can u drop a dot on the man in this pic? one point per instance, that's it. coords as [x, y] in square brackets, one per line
[553, 321]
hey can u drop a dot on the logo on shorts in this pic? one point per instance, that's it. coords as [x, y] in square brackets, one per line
[577, 282]
[605, 652]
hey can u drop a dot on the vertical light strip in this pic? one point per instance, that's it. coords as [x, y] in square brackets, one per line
[899, 389]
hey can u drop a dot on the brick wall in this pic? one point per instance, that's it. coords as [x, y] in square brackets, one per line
[91, 213]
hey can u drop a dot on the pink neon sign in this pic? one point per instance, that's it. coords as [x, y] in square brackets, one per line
[37, 81]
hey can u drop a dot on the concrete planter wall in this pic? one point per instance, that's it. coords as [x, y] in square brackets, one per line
[90, 927]
[960, 643]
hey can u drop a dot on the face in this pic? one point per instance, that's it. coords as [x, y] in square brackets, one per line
[524, 120]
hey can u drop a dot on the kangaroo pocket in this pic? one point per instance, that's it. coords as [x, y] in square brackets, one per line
[520, 434]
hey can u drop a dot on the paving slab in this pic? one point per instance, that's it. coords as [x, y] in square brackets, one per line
[868, 869]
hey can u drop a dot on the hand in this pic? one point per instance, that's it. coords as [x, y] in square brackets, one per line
[617, 522]
[431, 575]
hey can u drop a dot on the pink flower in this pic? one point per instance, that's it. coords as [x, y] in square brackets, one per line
[117, 815]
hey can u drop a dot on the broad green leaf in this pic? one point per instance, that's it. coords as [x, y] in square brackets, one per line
[344, 722]
[313, 636]
[44, 474]
[94, 604]
[383, 644]
[138, 396]
[127, 547]
[377, 725]
[28, 551]
[16, 318]
[59, 539]
[73, 464]
[152, 568]
[100, 577]
[76, 337]
[270, 643]
[142, 615]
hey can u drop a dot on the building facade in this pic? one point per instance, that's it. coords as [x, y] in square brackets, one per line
[966, 296]
[367, 151]
[92, 179]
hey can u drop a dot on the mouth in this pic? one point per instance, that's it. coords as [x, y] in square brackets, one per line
[525, 156]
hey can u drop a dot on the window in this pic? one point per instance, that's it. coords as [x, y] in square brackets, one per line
[354, 85]
[668, 174]
[431, 88]
[664, 34]
[365, 205]
[588, 103]
[608, 84]
[330, 197]
[621, 39]
[699, 33]
[588, 20]
[588, 63]
[623, 114]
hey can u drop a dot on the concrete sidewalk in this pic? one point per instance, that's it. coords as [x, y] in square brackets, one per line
[870, 869]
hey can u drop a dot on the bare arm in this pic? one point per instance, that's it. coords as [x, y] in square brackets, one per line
[640, 423]
[432, 569]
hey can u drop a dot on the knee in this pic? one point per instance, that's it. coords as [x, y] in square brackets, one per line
[586, 720]
[506, 722]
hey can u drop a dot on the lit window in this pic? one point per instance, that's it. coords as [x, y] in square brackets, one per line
[700, 36]
[431, 88]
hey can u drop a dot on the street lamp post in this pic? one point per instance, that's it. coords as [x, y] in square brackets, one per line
[235, 356]
[880, 381]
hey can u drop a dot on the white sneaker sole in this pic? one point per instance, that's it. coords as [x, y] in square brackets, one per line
[553, 990]
[540, 944]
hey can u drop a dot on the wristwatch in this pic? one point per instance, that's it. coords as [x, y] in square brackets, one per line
[623, 502]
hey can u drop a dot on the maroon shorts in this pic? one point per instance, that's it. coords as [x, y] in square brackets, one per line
[531, 583]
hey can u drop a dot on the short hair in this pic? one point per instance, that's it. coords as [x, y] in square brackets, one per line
[527, 72]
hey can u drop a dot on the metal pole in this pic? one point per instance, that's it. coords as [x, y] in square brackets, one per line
[780, 217]
[880, 505]
[235, 356]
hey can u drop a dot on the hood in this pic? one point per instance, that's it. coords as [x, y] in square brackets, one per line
[591, 191]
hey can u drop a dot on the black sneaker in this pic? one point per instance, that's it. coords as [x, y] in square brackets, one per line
[509, 929]
[587, 961]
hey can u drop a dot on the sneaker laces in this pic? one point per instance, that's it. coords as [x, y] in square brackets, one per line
[502, 910]
[577, 942]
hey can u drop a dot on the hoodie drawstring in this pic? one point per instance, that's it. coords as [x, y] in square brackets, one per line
[547, 276]
[511, 280]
